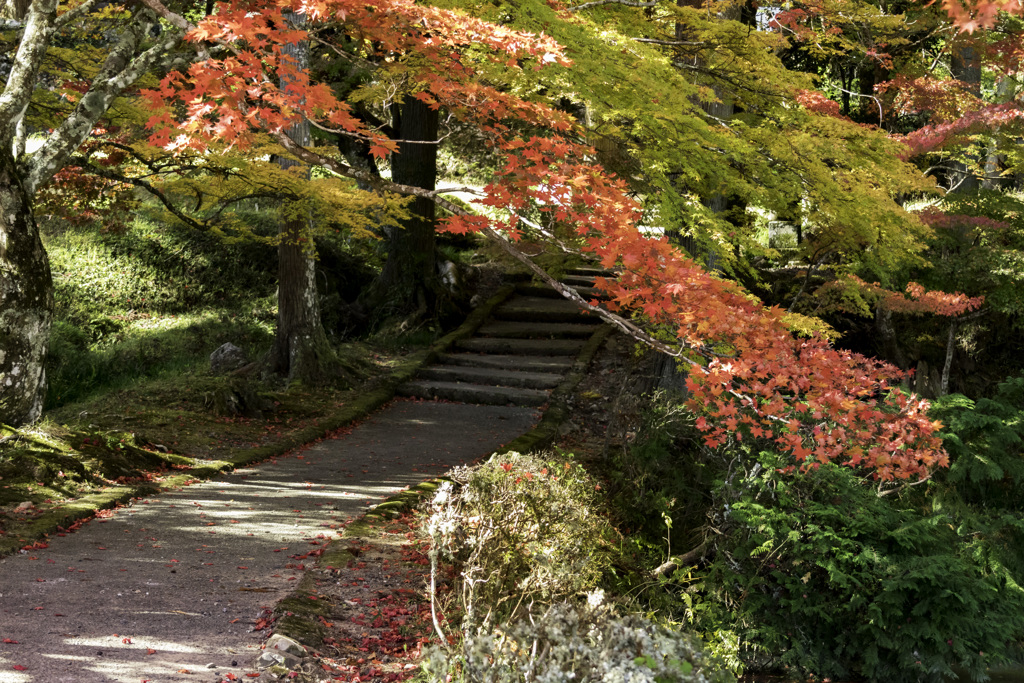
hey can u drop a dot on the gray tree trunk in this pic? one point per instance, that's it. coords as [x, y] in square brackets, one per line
[965, 65]
[26, 302]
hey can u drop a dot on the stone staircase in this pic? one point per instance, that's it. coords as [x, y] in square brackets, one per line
[520, 353]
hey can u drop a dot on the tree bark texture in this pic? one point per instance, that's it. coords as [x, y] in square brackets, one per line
[408, 282]
[26, 302]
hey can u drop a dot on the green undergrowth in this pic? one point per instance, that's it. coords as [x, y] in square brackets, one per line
[153, 300]
[826, 573]
[150, 301]
[50, 470]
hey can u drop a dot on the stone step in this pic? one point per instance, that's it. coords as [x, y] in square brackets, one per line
[474, 393]
[524, 363]
[578, 280]
[546, 292]
[521, 347]
[491, 376]
[592, 271]
[535, 330]
[542, 309]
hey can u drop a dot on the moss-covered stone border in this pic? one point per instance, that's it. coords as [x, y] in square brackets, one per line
[21, 534]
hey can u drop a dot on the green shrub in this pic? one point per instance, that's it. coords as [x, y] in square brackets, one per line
[531, 550]
[826, 573]
[819, 574]
[985, 442]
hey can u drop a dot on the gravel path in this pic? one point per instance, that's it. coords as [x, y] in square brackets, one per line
[170, 588]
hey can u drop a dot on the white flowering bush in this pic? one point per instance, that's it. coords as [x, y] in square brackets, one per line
[522, 533]
[581, 645]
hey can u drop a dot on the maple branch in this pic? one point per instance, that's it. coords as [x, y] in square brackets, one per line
[121, 68]
[85, 163]
[465, 189]
[627, 3]
[355, 59]
[877, 100]
[895, 489]
[622, 324]
[175, 19]
[547, 233]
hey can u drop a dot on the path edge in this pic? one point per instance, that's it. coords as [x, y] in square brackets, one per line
[54, 521]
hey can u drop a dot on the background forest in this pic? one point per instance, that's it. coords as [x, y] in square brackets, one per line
[815, 211]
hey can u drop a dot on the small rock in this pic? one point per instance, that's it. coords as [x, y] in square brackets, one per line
[269, 659]
[24, 507]
[273, 659]
[226, 358]
[279, 643]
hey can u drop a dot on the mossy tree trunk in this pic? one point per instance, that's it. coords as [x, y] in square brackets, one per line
[408, 286]
[301, 349]
[26, 301]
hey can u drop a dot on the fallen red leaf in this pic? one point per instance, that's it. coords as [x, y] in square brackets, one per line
[19, 667]
[150, 651]
[10, 642]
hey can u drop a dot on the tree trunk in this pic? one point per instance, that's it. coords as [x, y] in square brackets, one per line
[301, 349]
[26, 301]
[965, 65]
[948, 365]
[408, 285]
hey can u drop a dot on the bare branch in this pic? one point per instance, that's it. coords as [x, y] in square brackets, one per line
[139, 182]
[175, 19]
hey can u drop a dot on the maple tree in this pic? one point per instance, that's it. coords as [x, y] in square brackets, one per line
[747, 371]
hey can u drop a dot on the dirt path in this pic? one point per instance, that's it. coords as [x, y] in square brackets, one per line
[170, 588]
